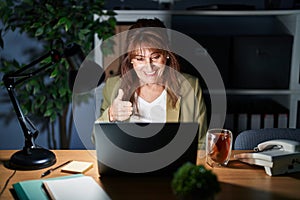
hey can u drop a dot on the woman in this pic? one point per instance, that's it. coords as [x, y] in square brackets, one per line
[150, 87]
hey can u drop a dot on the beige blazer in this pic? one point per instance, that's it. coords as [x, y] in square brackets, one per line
[190, 106]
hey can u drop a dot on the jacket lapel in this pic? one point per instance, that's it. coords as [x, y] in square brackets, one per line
[173, 113]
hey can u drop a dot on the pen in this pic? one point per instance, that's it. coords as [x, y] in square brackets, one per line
[55, 168]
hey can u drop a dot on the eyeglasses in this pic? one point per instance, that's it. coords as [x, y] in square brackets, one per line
[154, 58]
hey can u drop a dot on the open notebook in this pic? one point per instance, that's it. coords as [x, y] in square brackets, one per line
[78, 188]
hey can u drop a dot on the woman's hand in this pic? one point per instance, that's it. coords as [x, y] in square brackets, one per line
[120, 110]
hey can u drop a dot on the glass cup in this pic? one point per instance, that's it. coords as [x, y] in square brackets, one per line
[218, 147]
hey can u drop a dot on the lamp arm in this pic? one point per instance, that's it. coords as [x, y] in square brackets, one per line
[29, 130]
[21, 76]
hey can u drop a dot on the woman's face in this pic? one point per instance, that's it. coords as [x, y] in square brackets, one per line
[149, 65]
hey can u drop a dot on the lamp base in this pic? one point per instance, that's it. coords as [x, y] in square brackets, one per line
[36, 158]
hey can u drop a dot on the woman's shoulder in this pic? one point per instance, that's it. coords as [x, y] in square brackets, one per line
[190, 81]
[190, 77]
[112, 80]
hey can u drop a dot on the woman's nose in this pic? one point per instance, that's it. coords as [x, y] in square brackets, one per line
[148, 63]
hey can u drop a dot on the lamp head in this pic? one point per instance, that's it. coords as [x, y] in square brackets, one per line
[74, 55]
[91, 74]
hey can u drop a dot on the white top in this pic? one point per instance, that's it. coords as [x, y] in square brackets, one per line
[151, 112]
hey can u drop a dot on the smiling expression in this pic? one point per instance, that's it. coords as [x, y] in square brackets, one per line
[149, 65]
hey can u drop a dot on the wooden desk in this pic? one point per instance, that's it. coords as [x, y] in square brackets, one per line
[238, 180]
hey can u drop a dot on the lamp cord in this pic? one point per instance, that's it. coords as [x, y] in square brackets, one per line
[7, 181]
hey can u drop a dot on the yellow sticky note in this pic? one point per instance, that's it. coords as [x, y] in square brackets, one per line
[77, 167]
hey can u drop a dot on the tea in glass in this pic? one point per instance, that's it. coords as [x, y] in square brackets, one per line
[218, 147]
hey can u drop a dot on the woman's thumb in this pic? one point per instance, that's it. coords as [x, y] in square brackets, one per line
[120, 94]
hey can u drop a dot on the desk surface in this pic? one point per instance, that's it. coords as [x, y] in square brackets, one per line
[238, 180]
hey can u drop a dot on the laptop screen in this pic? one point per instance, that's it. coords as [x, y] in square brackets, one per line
[145, 148]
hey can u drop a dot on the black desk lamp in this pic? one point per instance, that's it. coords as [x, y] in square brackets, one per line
[31, 156]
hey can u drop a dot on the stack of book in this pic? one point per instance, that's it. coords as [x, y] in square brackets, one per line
[73, 187]
[254, 113]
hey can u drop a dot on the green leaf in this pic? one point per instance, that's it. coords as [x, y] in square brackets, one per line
[36, 25]
[110, 12]
[39, 31]
[36, 89]
[2, 4]
[29, 2]
[53, 117]
[59, 105]
[49, 106]
[48, 113]
[50, 8]
[26, 107]
[84, 31]
[112, 21]
[13, 28]
[41, 100]
[54, 73]
[65, 22]
[68, 25]
[28, 88]
[54, 95]
[62, 91]
[83, 34]
[62, 21]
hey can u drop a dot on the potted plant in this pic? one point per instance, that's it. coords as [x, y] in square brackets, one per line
[53, 23]
[192, 181]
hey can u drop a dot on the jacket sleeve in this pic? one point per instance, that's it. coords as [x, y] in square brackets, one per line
[108, 93]
[201, 116]
[193, 106]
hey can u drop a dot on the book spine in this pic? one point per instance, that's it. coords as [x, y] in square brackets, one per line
[20, 192]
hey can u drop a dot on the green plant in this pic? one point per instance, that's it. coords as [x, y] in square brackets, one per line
[52, 23]
[195, 180]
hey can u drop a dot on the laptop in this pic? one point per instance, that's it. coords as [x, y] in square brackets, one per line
[144, 148]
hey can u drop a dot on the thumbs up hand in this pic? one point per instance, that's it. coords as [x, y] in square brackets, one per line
[120, 110]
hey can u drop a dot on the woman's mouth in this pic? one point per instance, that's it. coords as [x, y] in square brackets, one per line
[152, 73]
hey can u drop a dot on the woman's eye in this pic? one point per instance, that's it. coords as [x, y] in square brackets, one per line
[156, 57]
[139, 58]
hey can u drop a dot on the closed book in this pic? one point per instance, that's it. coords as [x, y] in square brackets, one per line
[268, 121]
[229, 122]
[79, 188]
[282, 120]
[242, 121]
[255, 121]
[32, 189]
